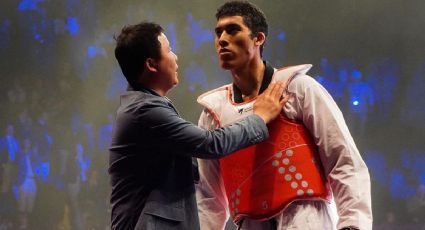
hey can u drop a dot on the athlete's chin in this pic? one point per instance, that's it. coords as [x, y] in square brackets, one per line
[226, 65]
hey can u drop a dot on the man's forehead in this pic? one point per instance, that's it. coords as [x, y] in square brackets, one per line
[162, 38]
[230, 20]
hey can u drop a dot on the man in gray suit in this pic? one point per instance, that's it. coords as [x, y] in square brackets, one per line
[152, 146]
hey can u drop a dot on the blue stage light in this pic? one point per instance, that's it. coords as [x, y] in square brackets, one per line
[73, 26]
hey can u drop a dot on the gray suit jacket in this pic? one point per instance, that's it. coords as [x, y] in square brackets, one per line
[150, 163]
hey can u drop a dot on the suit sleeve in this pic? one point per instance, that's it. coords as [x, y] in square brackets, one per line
[163, 122]
[210, 194]
[344, 167]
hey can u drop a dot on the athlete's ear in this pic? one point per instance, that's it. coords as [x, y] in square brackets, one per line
[151, 65]
[260, 38]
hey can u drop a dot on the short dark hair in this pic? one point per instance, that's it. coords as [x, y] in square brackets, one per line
[135, 44]
[252, 16]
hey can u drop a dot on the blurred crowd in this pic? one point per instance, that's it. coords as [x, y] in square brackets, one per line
[53, 171]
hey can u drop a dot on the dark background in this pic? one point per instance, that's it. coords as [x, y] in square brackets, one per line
[60, 83]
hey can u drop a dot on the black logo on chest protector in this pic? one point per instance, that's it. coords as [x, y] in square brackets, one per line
[244, 110]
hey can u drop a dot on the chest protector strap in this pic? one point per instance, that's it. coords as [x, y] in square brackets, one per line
[263, 179]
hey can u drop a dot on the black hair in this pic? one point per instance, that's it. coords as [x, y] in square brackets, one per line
[135, 44]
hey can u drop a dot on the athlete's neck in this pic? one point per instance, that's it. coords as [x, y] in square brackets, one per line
[248, 79]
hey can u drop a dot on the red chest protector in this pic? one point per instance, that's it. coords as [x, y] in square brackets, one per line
[261, 180]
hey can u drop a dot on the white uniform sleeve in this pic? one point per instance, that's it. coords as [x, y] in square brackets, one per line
[344, 167]
[210, 193]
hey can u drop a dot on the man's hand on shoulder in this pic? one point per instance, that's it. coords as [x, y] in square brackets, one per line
[270, 103]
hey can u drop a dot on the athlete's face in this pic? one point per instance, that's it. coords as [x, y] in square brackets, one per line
[234, 42]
